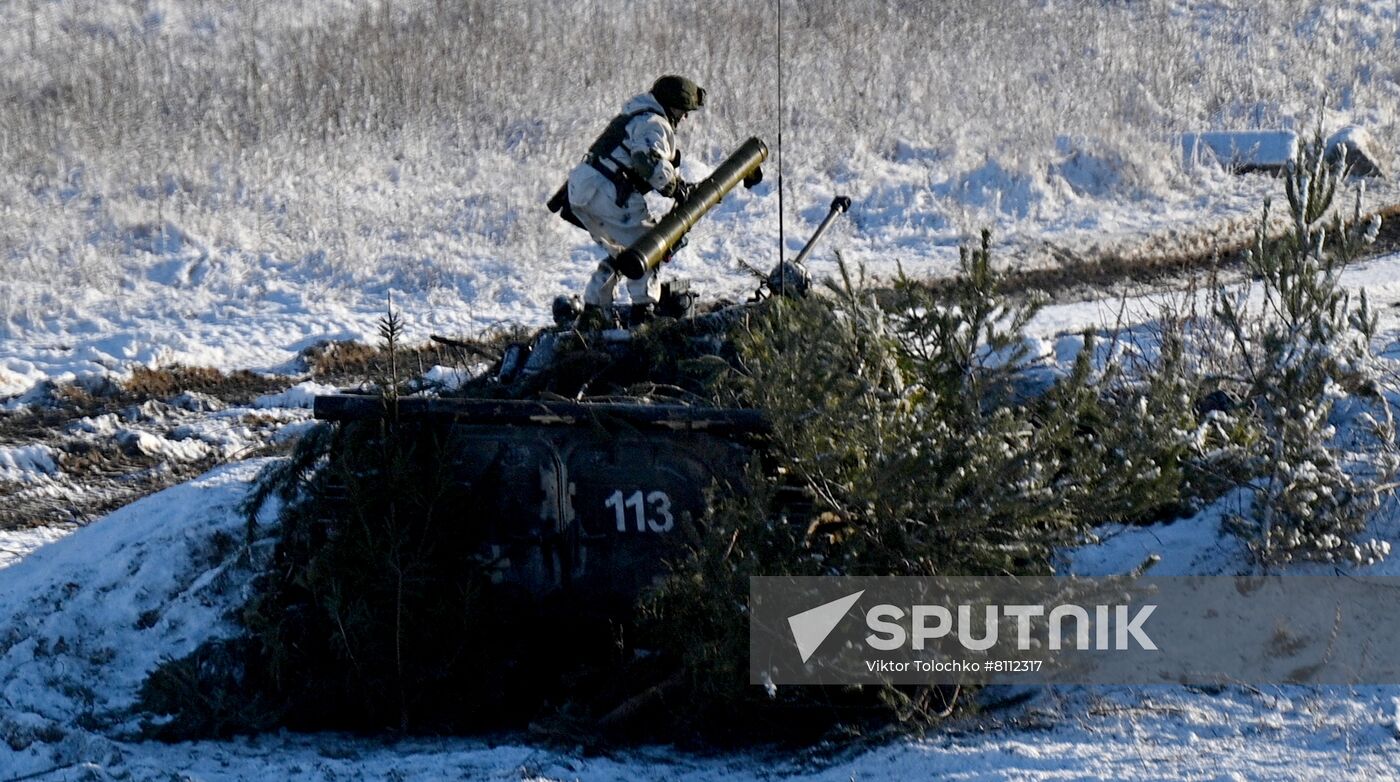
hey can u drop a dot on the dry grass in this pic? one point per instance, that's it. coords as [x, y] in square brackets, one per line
[238, 387]
[1086, 277]
[348, 362]
[410, 144]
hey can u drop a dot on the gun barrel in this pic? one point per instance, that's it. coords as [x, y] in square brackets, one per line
[839, 204]
[647, 252]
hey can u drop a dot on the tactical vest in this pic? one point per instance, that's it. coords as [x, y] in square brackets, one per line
[624, 180]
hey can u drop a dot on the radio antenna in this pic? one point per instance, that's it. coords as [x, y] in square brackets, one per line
[783, 277]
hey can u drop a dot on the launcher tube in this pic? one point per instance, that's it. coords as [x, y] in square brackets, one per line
[647, 252]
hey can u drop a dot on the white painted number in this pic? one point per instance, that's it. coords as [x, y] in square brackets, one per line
[635, 503]
[663, 509]
[660, 519]
[615, 502]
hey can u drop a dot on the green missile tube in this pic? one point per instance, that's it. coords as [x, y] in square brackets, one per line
[648, 252]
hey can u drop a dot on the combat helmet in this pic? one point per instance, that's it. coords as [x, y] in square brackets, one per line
[678, 95]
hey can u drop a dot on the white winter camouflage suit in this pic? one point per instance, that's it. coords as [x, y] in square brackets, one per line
[593, 198]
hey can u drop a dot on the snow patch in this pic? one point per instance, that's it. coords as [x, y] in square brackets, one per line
[999, 189]
[1245, 150]
[195, 402]
[27, 463]
[302, 395]
[16, 544]
[294, 431]
[84, 618]
[1362, 157]
[151, 444]
[451, 378]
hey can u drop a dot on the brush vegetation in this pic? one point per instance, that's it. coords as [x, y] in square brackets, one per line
[928, 438]
[922, 434]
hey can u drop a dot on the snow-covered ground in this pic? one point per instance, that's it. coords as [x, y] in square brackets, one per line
[226, 182]
[143, 221]
[82, 619]
[1159, 734]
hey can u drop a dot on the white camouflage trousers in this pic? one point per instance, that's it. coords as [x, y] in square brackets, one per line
[615, 228]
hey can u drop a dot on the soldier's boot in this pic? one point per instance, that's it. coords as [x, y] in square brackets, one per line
[640, 314]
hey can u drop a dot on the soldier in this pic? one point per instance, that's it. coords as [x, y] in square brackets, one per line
[636, 154]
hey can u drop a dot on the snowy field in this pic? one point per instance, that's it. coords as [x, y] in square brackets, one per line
[83, 619]
[227, 183]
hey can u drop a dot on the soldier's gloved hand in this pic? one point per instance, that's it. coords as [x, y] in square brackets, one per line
[682, 191]
[671, 253]
[753, 179]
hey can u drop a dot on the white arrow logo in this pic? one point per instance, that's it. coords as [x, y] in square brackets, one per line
[812, 626]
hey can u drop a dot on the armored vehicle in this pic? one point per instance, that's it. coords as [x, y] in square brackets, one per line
[591, 497]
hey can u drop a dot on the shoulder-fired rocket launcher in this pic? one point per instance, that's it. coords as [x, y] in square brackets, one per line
[649, 251]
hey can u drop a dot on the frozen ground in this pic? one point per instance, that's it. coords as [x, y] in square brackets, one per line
[83, 618]
[144, 223]
[76, 465]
